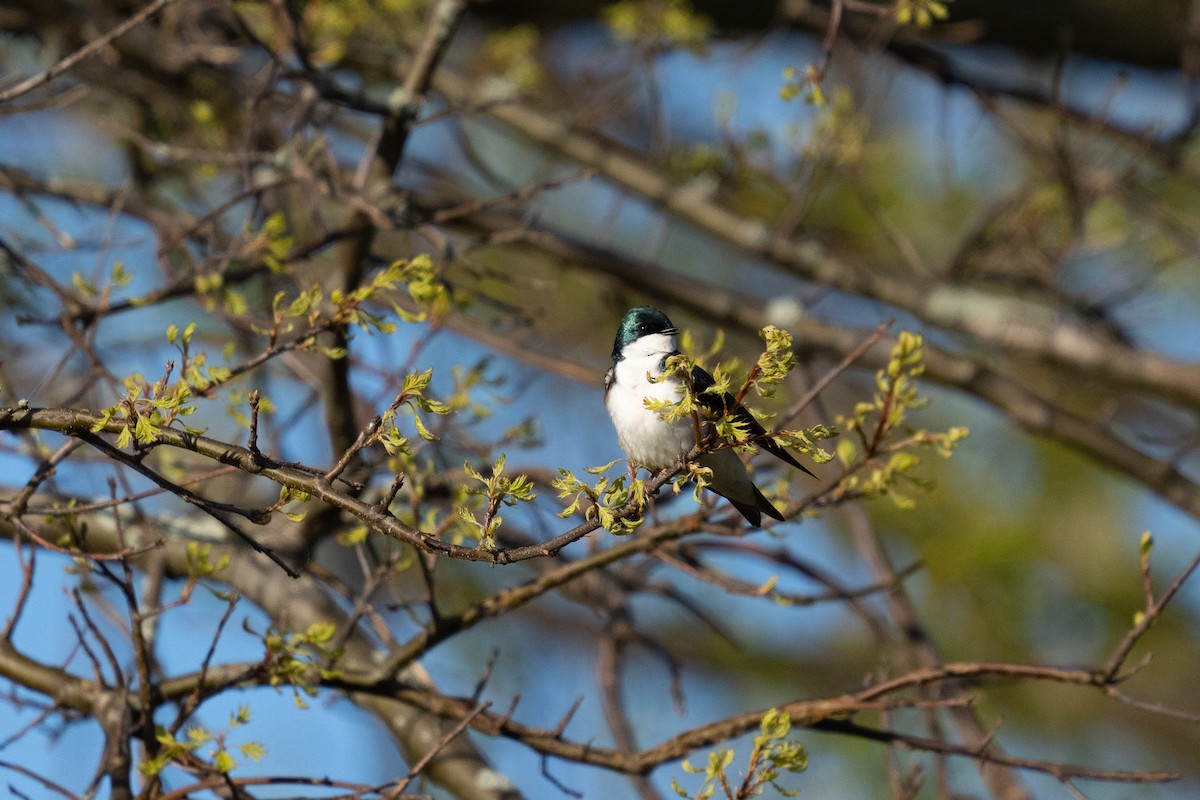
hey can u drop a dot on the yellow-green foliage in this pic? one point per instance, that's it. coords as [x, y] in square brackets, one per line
[659, 23]
[172, 749]
[298, 659]
[496, 490]
[771, 755]
[920, 12]
[879, 453]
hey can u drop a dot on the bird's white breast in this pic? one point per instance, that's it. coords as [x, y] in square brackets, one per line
[647, 438]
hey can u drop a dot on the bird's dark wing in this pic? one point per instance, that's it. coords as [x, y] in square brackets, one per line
[724, 404]
[753, 513]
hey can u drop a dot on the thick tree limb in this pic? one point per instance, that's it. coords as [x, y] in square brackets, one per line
[1017, 326]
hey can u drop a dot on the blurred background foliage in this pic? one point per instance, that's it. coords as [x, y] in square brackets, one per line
[565, 166]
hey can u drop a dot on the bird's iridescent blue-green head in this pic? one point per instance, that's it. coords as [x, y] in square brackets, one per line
[638, 322]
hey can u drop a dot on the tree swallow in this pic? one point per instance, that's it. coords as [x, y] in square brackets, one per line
[645, 340]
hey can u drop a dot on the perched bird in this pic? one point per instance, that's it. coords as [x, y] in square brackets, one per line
[645, 340]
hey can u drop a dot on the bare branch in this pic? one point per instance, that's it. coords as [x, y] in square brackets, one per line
[100, 42]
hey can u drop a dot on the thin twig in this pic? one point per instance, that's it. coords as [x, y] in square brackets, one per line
[1109, 674]
[854, 355]
[424, 760]
[34, 81]
[215, 510]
